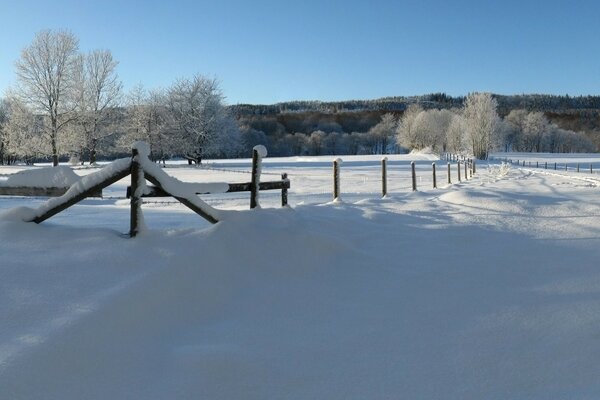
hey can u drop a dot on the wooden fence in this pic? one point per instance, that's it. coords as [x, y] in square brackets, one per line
[468, 164]
[140, 168]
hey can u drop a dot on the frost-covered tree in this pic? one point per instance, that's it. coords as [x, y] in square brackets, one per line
[455, 134]
[4, 112]
[202, 123]
[535, 126]
[408, 128]
[382, 134]
[45, 80]
[98, 95]
[23, 134]
[481, 123]
[148, 119]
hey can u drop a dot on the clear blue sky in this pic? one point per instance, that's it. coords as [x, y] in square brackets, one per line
[271, 51]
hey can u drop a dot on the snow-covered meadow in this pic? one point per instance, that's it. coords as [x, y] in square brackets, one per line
[487, 288]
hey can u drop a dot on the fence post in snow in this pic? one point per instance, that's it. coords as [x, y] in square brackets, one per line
[434, 178]
[474, 166]
[384, 176]
[449, 179]
[591, 171]
[577, 167]
[458, 170]
[336, 178]
[466, 176]
[258, 153]
[136, 199]
[555, 166]
[284, 192]
[537, 164]
[566, 167]
[545, 164]
[414, 176]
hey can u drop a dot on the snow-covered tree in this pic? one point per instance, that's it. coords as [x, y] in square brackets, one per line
[147, 119]
[408, 129]
[99, 93]
[455, 134]
[202, 123]
[382, 134]
[45, 80]
[535, 126]
[23, 134]
[481, 123]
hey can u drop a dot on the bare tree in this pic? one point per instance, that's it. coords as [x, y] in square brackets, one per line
[408, 135]
[202, 123]
[481, 123]
[383, 132]
[98, 94]
[45, 75]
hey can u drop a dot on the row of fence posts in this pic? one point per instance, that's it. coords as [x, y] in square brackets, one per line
[469, 170]
[537, 165]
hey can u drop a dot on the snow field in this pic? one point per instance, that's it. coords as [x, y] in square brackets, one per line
[484, 289]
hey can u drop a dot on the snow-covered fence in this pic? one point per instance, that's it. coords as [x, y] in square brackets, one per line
[140, 168]
[41, 182]
[254, 186]
[567, 166]
[468, 165]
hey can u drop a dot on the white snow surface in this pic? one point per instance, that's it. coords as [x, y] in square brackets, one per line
[60, 176]
[486, 289]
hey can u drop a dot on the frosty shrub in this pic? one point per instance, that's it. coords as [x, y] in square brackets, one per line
[499, 171]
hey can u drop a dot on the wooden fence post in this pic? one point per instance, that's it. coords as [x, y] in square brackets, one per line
[434, 177]
[591, 171]
[466, 176]
[545, 164]
[555, 166]
[336, 178]
[254, 180]
[537, 164]
[136, 195]
[458, 169]
[284, 191]
[384, 176]
[577, 167]
[414, 176]
[566, 169]
[474, 166]
[449, 178]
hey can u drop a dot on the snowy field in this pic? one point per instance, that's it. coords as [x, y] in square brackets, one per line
[485, 289]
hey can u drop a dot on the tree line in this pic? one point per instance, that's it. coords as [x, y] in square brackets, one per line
[71, 105]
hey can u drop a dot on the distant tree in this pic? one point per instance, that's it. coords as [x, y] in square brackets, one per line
[316, 143]
[202, 123]
[147, 119]
[455, 134]
[23, 137]
[408, 130]
[45, 80]
[535, 126]
[481, 123]
[99, 93]
[383, 133]
[4, 113]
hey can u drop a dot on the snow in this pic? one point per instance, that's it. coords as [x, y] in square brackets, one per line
[60, 176]
[484, 289]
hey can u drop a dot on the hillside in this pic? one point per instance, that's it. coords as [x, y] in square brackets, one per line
[580, 114]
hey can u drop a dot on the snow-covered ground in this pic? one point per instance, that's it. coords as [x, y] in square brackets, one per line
[482, 289]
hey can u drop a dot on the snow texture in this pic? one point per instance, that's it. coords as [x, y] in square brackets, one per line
[85, 183]
[60, 176]
[484, 290]
[177, 188]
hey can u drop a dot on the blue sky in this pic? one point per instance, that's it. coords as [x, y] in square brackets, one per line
[271, 51]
